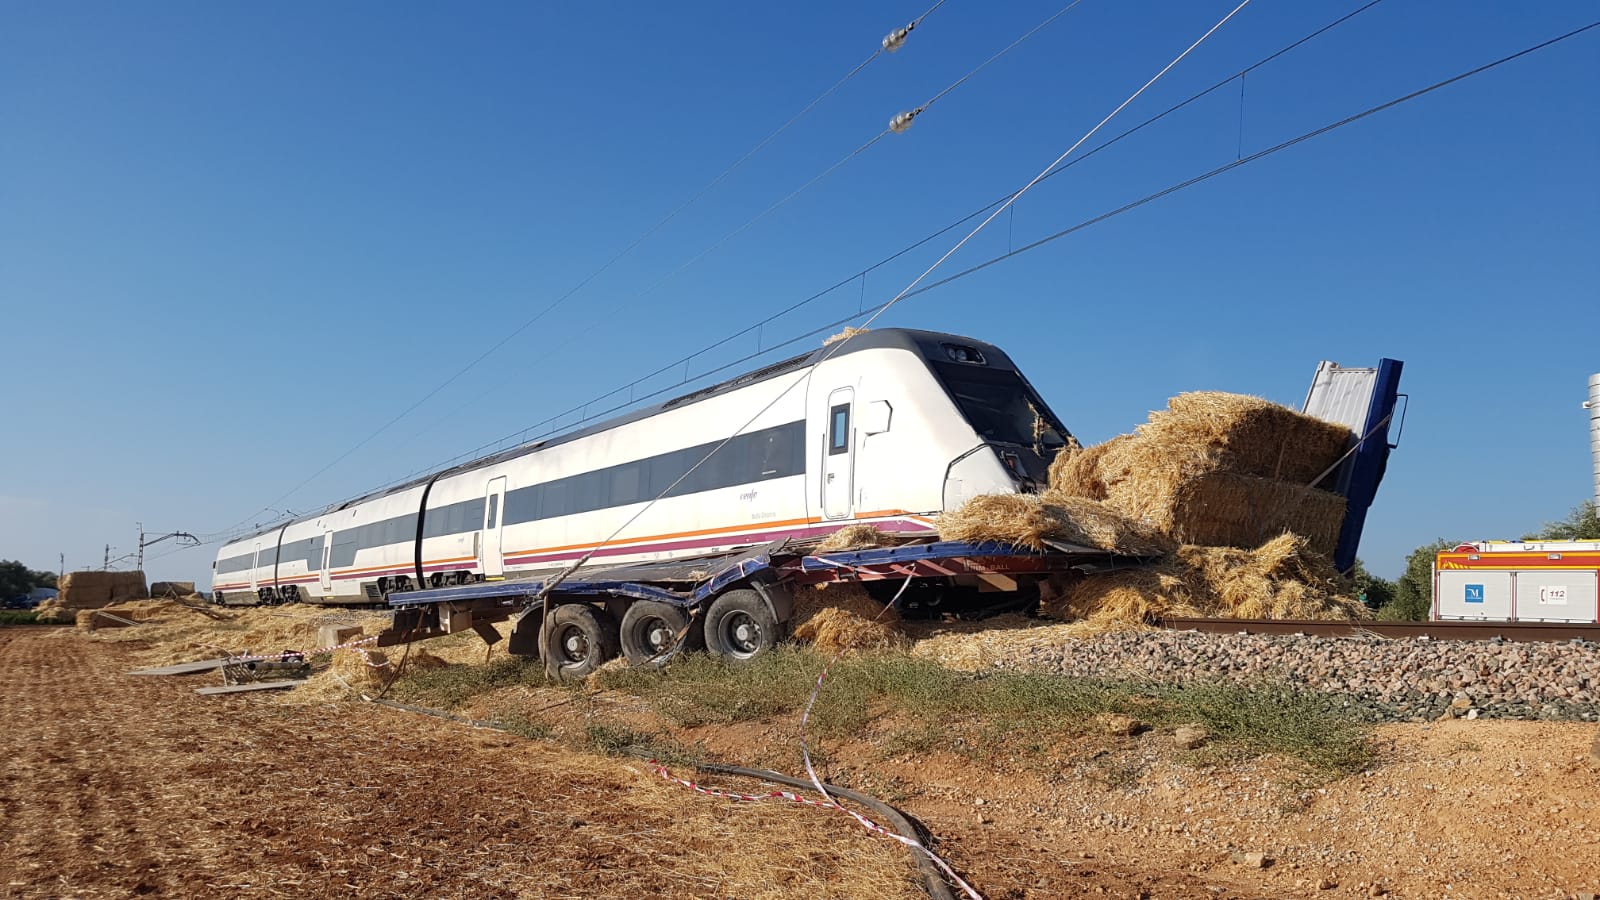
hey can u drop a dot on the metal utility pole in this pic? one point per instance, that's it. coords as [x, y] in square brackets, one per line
[183, 538]
[106, 566]
[1593, 406]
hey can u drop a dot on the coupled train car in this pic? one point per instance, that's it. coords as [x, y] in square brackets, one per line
[891, 428]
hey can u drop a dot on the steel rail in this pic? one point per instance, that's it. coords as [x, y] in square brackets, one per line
[1441, 631]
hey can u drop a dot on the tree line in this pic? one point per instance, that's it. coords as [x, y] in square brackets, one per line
[16, 579]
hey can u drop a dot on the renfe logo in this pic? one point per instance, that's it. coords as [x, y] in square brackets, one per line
[1474, 593]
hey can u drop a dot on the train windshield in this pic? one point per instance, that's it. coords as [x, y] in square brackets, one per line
[1001, 407]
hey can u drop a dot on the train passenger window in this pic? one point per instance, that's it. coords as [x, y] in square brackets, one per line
[625, 484]
[556, 499]
[522, 505]
[839, 429]
[588, 492]
[494, 510]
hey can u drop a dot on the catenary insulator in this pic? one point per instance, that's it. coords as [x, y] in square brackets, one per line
[902, 122]
[896, 39]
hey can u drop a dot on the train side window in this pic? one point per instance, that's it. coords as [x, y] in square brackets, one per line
[494, 509]
[522, 505]
[839, 429]
[625, 484]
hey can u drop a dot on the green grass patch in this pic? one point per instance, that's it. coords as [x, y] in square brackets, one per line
[520, 723]
[450, 687]
[25, 617]
[614, 740]
[1004, 712]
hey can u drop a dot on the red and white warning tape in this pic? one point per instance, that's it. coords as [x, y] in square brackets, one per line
[828, 801]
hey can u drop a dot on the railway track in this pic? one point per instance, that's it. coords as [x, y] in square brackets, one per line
[1440, 631]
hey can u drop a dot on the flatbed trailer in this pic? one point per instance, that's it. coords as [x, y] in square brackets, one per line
[739, 603]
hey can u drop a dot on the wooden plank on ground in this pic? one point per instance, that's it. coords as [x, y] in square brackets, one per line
[188, 668]
[253, 686]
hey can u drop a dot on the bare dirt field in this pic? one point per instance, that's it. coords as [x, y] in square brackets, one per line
[117, 786]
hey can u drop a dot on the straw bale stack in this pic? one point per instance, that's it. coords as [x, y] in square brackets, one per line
[1027, 520]
[1240, 434]
[172, 589]
[91, 590]
[836, 617]
[1217, 469]
[1227, 510]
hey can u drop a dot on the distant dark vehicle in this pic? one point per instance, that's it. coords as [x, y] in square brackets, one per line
[23, 602]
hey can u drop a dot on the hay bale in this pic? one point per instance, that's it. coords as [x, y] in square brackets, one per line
[173, 589]
[1228, 510]
[1083, 472]
[860, 536]
[83, 590]
[1027, 520]
[837, 617]
[128, 586]
[1206, 431]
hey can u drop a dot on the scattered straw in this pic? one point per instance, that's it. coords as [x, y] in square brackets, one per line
[1028, 520]
[1078, 472]
[838, 617]
[844, 335]
[860, 536]
[1281, 579]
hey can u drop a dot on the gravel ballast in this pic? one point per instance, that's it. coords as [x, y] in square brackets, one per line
[1377, 678]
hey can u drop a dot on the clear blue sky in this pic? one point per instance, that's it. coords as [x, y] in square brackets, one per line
[235, 238]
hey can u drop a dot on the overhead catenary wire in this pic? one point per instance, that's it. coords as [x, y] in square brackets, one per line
[898, 124]
[552, 423]
[1128, 207]
[890, 43]
[833, 348]
[904, 119]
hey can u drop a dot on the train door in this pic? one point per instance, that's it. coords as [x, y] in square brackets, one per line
[490, 556]
[327, 555]
[838, 456]
[255, 583]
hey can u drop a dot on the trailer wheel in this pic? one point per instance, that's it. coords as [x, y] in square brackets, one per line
[649, 628]
[740, 625]
[578, 639]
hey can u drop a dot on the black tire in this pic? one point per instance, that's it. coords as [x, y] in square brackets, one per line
[650, 628]
[579, 639]
[740, 626]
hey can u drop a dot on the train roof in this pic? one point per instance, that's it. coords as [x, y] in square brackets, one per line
[928, 344]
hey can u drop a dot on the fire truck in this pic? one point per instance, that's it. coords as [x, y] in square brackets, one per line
[1518, 581]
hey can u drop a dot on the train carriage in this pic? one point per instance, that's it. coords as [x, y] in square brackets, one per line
[891, 428]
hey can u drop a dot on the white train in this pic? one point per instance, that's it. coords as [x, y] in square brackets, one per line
[891, 429]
